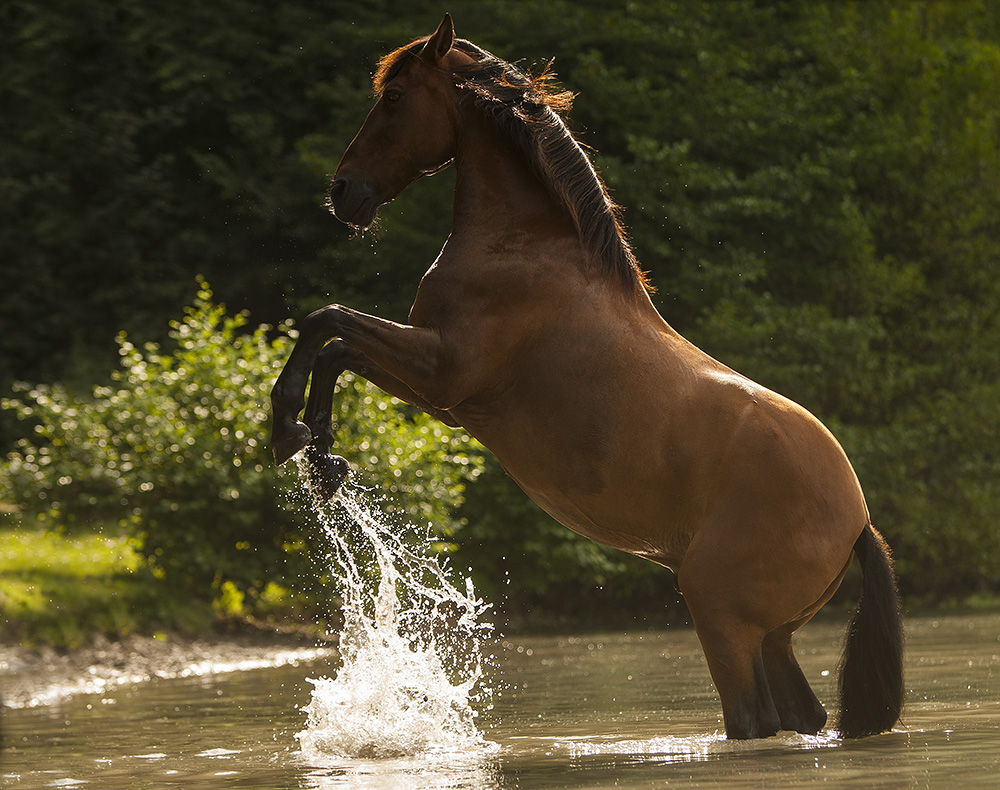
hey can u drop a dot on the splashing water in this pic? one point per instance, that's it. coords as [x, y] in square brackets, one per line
[411, 644]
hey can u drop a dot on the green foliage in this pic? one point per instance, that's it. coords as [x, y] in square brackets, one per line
[147, 143]
[61, 590]
[173, 453]
[812, 185]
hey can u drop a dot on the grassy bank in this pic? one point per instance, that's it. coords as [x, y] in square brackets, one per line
[62, 590]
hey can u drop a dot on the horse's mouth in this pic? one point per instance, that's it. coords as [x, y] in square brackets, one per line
[353, 204]
[359, 217]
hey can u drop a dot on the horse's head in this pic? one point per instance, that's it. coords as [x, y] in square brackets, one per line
[409, 133]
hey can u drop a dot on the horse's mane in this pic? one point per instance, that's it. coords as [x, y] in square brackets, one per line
[526, 111]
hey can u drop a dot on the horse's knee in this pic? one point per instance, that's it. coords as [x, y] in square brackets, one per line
[336, 354]
[325, 319]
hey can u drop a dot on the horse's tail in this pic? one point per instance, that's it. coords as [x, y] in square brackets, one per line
[871, 670]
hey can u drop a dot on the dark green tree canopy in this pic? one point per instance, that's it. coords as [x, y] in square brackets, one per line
[813, 187]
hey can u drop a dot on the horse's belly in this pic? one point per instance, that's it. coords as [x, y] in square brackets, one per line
[613, 525]
[619, 493]
[737, 460]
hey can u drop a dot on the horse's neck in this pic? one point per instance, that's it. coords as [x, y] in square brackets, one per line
[510, 236]
[496, 191]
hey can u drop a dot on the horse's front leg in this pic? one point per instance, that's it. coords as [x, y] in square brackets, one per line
[288, 435]
[404, 357]
[328, 471]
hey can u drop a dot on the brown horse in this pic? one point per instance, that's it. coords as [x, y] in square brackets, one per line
[534, 331]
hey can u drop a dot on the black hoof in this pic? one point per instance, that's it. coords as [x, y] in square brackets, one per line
[326, 472]
[287, 438]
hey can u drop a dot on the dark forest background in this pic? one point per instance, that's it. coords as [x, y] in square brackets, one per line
[813, 186]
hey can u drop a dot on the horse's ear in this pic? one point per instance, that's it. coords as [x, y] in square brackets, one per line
[437, 46]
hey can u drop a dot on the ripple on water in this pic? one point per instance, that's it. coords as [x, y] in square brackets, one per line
[693, 748]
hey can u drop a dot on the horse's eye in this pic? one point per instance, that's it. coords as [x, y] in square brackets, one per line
[392, 95]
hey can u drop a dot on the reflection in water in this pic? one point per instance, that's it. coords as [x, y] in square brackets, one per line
[691, 749]
[428, 771]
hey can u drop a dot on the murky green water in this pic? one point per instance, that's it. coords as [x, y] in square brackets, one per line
[614, 710]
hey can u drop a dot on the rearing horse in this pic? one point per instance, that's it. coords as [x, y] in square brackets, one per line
[535, 332]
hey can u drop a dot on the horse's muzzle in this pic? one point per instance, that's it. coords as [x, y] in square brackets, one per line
[353, 202]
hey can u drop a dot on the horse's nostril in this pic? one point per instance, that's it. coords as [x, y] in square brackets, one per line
[337, 189]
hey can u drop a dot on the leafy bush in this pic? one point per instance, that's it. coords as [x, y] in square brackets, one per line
[173, 452]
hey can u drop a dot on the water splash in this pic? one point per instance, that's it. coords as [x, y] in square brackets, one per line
[411, 644]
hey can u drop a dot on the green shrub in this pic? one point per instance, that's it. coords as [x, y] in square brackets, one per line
[173, 452]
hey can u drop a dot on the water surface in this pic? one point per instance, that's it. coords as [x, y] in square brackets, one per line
[628, 710]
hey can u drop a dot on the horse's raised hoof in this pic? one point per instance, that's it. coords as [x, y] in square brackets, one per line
[287, 438]
[326, 472]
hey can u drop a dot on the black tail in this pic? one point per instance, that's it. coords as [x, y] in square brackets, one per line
[871, 670]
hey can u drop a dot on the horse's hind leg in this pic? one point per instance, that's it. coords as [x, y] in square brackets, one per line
[796, 702]
[732, 632]
[733, 650]
[797, 705]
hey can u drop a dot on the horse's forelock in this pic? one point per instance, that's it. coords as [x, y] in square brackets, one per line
[390, 65]
[393, 63]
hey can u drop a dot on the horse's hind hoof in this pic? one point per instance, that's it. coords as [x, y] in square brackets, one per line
[326, 473]
[287, 438]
